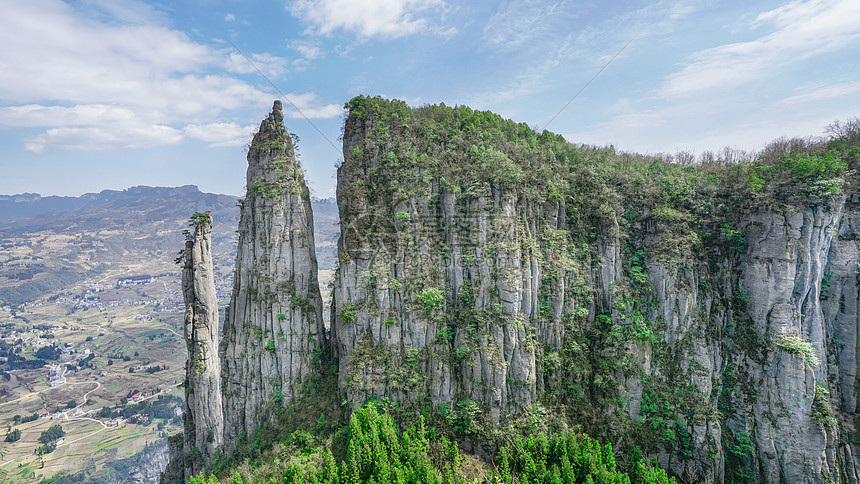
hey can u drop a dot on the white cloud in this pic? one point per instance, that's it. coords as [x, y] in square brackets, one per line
[713, 122]
[93, 138]
[369, 18]
[644, 128]
[310, 106]
[37, 116]
[681, 10]
[820, 93]
[124, 11]
[81, 60]
[558, 45]
[221, 134]
[735, 94]
[803, 28]
[229, 17]
[519, 25]
[118, 79]
[272, 66]
[308, 50]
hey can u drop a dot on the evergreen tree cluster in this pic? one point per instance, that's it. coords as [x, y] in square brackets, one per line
[568, 458]
[377, 452]
[13, 436]
[52, 434]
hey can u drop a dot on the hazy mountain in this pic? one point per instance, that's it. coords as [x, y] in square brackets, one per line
[49, 243]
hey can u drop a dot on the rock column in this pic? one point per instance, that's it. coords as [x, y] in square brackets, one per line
[273, 329]
[203, 419]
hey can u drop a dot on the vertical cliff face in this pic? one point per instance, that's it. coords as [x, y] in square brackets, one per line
[487, 270]
[273, 327]
[841, 325]
[451, 291]
[430, 256]
[203, 418]
[782, 274]
[490, 274]
[757, 337]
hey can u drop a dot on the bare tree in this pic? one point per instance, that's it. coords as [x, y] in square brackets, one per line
[849, 130]
[708, 158]
[685, 158]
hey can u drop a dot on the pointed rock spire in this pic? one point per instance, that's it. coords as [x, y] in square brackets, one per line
[204, 420]
[273, 328]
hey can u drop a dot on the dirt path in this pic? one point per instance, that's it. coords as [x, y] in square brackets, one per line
[174, 332]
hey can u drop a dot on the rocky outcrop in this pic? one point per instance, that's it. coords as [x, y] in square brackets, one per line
[838, 295]
[492, 275]
[782, 274]
[730, 358]
[428, 257]
[203, 417]
[145, 467]
[453, 293]
[273, 327]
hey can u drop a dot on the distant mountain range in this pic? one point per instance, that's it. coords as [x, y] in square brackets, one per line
[28, 205]
[49, 243]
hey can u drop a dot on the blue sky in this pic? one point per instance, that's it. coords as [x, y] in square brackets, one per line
[107, 94]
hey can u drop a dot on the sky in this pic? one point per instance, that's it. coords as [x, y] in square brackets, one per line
[109, 94]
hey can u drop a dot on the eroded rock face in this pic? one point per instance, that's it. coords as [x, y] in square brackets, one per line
[841, 328]
[273, 327]
[782, 274]
[726, 350]
[484, 297]
[394, 289]
[451, 298]
[203, 418]
[746, 363]
[149, 465]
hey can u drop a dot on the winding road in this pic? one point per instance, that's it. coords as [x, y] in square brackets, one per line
[65, 413]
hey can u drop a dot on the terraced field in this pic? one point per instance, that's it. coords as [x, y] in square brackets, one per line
[127, 343]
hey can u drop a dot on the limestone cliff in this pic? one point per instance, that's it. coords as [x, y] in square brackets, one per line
[203, 418]
[273, 327]
[491, 275]
[708, 317]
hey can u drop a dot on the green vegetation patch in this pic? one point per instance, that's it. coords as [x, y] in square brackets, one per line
[376, 450]
[796, 344]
